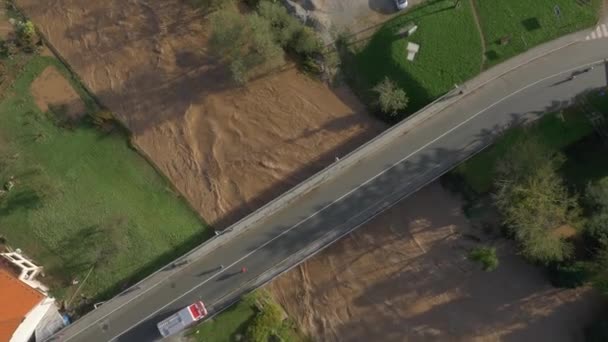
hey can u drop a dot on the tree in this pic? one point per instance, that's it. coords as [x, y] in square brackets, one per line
[486, 256]
[533, 200]
[245, 42]
[596, 202]
[284, 26]
[26, 36]
[599, 269]
[596, 195]
[391, 99]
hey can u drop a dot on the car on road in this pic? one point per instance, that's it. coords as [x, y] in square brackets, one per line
[182, 319]
[401, 4]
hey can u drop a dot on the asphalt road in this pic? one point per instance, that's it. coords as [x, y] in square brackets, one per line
[408, 163]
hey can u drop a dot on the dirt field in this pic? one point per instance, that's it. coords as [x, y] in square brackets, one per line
[52, 89]
[405, 277]
[229, 150]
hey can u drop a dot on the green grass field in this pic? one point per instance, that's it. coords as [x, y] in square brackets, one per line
[528, 23]
[84, 200]
[234, 322]
[450, 52]
[451, 46]
[225, 326]
[478, 171]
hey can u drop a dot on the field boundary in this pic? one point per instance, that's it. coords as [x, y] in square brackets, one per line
[122, 125]
[330, 171]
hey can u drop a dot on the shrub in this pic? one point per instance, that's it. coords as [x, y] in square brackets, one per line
[306, 42]
[486, 256]
[238, 71]
[391, 99]
[102, 119]
[245, 42]
[291, 34]
[26, 36]
[266, 324]
[569, 275]
[596, 228]
[284, 26]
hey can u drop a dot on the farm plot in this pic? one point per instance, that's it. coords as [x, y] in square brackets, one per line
[228, 149]
[82, 201]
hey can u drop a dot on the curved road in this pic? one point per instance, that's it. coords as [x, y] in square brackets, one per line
[359, 193]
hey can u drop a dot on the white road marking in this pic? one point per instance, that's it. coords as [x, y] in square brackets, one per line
[593, 35]
[348, 193]
[604, 30]
[598, 30]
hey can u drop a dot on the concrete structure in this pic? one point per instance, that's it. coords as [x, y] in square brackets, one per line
[26, 312]
[28, 270]
[412, 50]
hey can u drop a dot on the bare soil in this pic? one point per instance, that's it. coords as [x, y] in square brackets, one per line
[361, 18]
[51, 89]
[229, 150]
[405, 277]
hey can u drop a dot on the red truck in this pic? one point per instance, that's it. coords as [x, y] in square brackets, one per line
[182, 319]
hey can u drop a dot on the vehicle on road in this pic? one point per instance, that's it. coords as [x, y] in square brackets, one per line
[182, 319]
[401, 4]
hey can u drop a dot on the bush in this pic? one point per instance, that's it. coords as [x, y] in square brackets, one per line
[284, 26]
[245, 42]
[569, 275]
[239, 72]
[291, 34]
[486, 256]
[26, 36]
[391, 99]
[596, 194]
[306, 42]
[266, 324]
[596, 229]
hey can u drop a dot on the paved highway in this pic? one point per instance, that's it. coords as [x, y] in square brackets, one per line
[344, 203]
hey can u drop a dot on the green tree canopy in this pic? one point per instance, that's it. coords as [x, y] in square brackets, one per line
[391, 99]
[245, 42]
[533, 200]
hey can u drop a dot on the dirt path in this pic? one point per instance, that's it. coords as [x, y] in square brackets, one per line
[481, 35]
[405, 277]
[227, 149]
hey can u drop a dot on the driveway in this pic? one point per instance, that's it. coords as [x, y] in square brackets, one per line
[356, 16]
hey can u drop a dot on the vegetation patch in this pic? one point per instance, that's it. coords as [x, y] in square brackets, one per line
[486, 256]
[514, 26]
[450, 44]
[555, 130]
[450, 50]
[254, 43]
[255, 318]
[82, 202]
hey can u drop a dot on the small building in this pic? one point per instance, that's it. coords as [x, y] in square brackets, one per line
[27, 313]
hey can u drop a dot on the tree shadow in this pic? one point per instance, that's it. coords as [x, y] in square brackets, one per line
[383, 6]
[26, 199]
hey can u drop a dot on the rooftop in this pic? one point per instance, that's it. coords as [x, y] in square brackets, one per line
[17, 300]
